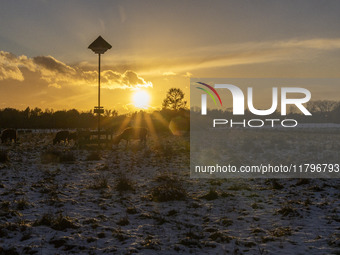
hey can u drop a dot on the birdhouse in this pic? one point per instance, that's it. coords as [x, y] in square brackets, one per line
[100, 46]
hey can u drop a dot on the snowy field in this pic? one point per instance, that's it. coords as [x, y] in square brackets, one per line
[64, 200]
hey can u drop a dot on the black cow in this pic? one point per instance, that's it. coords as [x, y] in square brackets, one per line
[9, 134]
[61, 136]
[73, 136]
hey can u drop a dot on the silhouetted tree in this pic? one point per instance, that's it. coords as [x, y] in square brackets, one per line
[174, 100]
[110, 113]
[323, 106]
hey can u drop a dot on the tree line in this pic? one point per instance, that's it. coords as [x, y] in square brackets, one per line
[49, 119]
[174, 105]
[37, 118]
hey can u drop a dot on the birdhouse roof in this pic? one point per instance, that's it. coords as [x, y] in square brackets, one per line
[100, 45]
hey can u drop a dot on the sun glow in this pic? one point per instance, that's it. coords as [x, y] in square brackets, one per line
[141, 99]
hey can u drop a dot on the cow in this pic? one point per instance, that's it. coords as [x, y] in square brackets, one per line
[131, 133]
[73, 136]
[9, 134]
[61, 136]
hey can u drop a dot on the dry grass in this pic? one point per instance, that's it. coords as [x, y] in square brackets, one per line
[123, 183]
[56, 222]
[100, 182]
[169, 189]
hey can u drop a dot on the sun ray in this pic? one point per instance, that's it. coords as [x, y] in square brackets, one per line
[124, 124]
[161, 119]
[151, 128]
[138, 119]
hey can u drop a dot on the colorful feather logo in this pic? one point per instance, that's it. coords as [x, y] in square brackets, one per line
[209, 93]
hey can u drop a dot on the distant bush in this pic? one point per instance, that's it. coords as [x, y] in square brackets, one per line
[4, 156]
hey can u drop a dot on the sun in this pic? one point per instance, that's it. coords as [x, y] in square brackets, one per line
[141, 99]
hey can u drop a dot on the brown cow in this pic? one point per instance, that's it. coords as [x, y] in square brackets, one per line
[61, 136]
[9, 134]
[131, 133]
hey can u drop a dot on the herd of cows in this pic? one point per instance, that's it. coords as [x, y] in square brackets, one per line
[66, 136]
[10, 135]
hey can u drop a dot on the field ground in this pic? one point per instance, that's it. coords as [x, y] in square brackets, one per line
[63, 200]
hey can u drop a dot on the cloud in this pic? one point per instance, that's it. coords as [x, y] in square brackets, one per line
[53, 65]
[171, 63]
[319, 44]
[131, 80]
[10, 72]
[187, 74]
[115, 80]
[54, 85]
[10, 66]
[122, 14]
[169, 73]
[58, 74]
[234, 54]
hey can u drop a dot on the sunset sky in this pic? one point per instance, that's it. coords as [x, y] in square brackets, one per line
[156, 45]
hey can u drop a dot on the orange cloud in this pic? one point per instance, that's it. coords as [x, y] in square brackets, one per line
[58, 74]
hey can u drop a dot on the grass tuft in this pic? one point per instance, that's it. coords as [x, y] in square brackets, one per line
[211, 195]
[56, 222]
[123, 221]
[22, 204]
[171, 189]
[123, 183]
[100, 182]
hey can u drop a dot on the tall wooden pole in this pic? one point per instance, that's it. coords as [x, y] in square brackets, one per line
[99, 46]
[99, 109]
